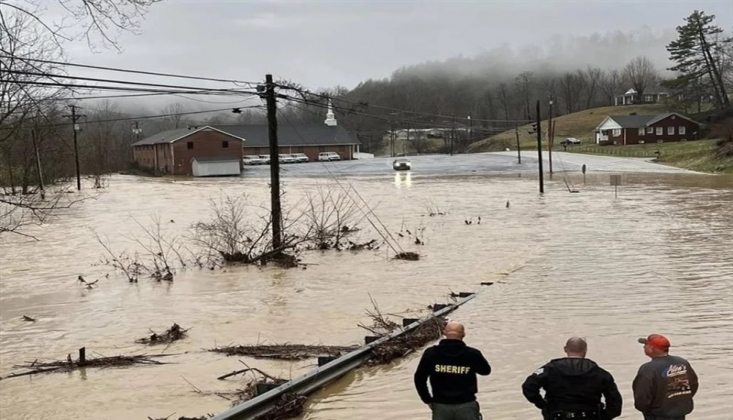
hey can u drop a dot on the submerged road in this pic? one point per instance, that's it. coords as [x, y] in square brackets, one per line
[470, 164]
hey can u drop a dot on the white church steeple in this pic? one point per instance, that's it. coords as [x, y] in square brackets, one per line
[330, 117]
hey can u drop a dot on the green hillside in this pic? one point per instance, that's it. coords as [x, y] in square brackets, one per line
[579, 125]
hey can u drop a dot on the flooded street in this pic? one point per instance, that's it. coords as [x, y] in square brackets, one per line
[657, 259]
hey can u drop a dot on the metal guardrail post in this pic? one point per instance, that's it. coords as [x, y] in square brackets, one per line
[329, 372]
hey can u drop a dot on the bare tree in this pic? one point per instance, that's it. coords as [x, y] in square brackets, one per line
[332, 216]
[641, 74]
[610, 85]
[503, 95]
[571, 89]
[174, 120]
[90, 20]
[524, 83]
[593, 77]
[238, 232]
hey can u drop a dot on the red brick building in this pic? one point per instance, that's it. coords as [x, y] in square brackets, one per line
[310, 139]
[172, 152]
[640, 129]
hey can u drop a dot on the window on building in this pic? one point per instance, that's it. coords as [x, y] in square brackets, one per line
[650, 130]
[641, 131]
[225, 144]
[189, 145]
[670, 131]
[660, 131]
[648, 98]
[616, 132]
[682, 129]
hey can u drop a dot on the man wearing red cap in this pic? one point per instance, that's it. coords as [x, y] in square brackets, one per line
[664, 387]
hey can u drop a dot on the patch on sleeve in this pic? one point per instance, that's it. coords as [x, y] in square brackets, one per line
[539, 371]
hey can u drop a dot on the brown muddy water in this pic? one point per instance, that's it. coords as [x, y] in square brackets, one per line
[659, 258]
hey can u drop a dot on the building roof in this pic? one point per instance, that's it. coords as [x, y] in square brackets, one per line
[638, 121]
[632, 121]
[171, 136]
[258, 135]
[207, 159]
[651, 90]
[291, 135]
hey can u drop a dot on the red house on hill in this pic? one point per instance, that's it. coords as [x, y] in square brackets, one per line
[640, 129]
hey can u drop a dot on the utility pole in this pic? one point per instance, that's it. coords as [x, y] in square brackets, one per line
[539, 147]
[38, 166]
[391, 139]
[550, 138]
[519, 150]
[274, 163]
[452, 134]
[470, 129]
[74, 118]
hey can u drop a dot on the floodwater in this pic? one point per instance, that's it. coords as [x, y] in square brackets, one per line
[657, 259]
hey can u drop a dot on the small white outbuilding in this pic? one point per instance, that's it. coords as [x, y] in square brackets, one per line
[216, 166]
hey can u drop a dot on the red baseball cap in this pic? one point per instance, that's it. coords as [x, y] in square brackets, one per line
[656, 340]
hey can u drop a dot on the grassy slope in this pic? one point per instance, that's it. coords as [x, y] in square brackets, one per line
[693, 155]
[579, 125]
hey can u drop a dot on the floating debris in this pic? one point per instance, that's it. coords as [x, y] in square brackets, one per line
[407, 343]
[284, 351]
[409, 256]
[28, 319]
[174, 333]
[69, 365]
[289, 406]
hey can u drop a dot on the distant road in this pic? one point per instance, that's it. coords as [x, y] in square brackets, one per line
[467, 164]
[563, 161]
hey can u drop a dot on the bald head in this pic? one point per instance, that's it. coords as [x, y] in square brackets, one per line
[454, 331]
[576, 347]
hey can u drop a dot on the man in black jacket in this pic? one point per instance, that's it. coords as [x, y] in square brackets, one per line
[664, 386]
[452, 367]
[573, 387]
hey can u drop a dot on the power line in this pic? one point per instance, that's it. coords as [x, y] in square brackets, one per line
[150, 73]
[367, 105]
[352, 199]
[132, 89]
[124, 82]
[146, 117]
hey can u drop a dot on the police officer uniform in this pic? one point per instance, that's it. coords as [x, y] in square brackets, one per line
[452, 367]
[573, 390]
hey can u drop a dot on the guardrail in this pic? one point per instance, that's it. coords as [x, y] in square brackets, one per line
[331, 371]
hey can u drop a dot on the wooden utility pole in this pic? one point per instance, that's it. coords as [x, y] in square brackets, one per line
[550, 137]
[453, 134]
[276, 210]
[74, 118]
[539, 148]
[519, 150]
[38, 166]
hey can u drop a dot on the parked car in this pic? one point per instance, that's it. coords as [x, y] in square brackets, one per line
[570, 141]
[328, 156]
[401, 164]
[265, 159]
[286, 159]
[300, 157]
[253, 160]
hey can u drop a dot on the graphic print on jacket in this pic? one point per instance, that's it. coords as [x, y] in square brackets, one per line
[452, 367]
[678, 383]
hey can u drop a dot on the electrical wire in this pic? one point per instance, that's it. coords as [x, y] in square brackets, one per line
[145, 117]
[124, 82]
[115, 69]
[367, 105]
[352, 199]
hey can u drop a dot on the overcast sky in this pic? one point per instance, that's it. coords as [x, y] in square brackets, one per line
[323, 44]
